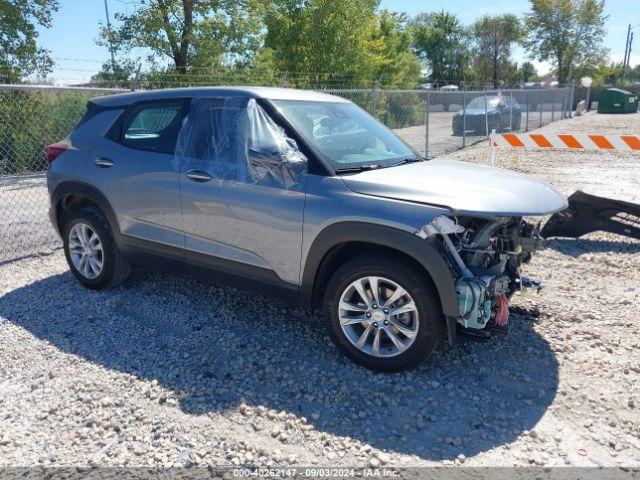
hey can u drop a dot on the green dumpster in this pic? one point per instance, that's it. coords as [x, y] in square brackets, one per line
[616, 100]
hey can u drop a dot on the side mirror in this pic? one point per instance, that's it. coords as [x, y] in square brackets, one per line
[266, 155]
[271, 156]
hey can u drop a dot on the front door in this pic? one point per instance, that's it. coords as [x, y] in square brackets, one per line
[242, 189]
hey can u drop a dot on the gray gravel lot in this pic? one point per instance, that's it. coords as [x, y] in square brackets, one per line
[24, 221]
[607, 173]
[167, 370]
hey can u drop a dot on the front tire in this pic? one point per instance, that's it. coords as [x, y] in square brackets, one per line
[91, 250]
[383, 314]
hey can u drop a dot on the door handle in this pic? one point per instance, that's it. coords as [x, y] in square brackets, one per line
[198, 176]
[103, 163]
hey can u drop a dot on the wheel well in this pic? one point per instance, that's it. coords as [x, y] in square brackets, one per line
[72, 203]
[343, 252]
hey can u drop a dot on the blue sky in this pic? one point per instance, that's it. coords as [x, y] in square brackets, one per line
[71, 39]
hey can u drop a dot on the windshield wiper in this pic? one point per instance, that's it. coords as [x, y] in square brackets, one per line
[359, 168]
[362, 168]
[408, 160]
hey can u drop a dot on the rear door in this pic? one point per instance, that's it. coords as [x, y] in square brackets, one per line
[136, 171]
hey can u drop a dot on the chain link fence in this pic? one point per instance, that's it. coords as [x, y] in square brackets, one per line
[432, 122]
[30, 119]
[440, 122]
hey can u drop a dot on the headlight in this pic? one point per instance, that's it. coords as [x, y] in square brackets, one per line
[441, 225]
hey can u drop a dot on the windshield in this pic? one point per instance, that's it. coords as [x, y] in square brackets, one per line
[478, 102]
[344, 134]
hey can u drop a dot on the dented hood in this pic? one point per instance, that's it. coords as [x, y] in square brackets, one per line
[465, 188]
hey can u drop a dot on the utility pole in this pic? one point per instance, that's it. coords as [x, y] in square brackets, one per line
[626, 49]
[113, 57]
[627, 60]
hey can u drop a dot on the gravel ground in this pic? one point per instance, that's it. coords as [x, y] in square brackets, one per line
[168, 370]
[24, 221]
[607, 173]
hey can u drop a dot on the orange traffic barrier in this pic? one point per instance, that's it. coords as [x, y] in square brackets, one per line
[567, 140]
[536, 141]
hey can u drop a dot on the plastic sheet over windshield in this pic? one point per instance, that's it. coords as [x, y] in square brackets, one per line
[344, 134]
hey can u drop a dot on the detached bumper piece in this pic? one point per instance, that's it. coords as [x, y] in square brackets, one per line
[589, 213]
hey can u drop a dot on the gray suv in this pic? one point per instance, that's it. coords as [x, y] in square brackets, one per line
[299, 194]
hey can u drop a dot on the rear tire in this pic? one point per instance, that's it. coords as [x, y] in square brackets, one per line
[404, 340]
[91, 250]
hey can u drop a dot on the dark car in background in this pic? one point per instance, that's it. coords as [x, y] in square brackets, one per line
[501, 113]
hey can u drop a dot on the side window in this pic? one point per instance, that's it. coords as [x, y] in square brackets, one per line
[226, 141]
[153, 126]
[234, 139]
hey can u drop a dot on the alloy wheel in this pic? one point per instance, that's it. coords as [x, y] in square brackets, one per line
[85, 250]
[378, 316]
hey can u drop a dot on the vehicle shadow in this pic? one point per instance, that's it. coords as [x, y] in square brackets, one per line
[575, 247]
[216, 347]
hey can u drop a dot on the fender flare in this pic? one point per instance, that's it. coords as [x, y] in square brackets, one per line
[418, 249]
[73, 187]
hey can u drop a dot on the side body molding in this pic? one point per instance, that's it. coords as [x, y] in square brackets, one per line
[417, 248]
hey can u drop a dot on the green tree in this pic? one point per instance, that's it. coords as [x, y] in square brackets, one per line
[528, 72]
[568, 33]
[494, 37]
[609, 74]
[20, 54]
[441, 41]
[261, 70]
[117, 75]
[191, 33]
[324, 40]
[30, 120]
[392, 62]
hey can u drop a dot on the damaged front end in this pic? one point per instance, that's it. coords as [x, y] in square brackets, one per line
[485, 256]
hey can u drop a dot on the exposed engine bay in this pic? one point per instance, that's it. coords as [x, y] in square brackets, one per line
[485, 256]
